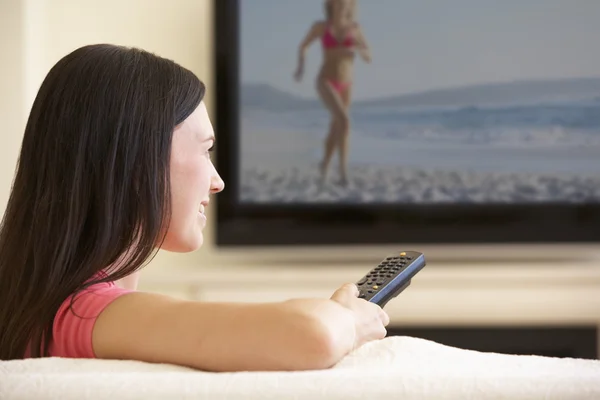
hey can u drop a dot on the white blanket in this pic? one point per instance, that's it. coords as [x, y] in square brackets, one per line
[394, 368]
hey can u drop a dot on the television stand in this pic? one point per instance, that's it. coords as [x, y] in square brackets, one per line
[549, 341]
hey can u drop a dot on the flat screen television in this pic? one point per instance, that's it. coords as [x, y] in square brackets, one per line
[445, 123]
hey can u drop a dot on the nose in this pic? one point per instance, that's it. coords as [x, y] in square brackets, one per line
[217, 184]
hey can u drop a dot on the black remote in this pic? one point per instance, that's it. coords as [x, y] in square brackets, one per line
[390, 277]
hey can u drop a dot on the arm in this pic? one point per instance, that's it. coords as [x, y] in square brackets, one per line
[315, 32]
[362, 46]
[290, 335]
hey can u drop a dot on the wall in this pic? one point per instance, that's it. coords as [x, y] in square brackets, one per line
[12, 79]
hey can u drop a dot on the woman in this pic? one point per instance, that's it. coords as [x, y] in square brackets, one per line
[340, 37]
[114, 165]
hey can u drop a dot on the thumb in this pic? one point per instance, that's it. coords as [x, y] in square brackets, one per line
[345, 291]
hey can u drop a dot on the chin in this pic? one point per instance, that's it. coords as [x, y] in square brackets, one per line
[184, 245]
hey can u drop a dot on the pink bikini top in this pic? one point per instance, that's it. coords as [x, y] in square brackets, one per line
[329, 41]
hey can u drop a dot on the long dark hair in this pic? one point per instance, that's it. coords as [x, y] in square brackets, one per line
[92, 183]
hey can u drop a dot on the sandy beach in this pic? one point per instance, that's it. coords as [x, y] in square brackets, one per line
[394, 184]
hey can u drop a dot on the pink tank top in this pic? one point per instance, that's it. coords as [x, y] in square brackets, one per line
[73, 328]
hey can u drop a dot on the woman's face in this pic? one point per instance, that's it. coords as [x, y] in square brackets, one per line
[341, 10]
[193, 179]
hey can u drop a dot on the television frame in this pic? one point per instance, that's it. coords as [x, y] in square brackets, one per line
[277, 225]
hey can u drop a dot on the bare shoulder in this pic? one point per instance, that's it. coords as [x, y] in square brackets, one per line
[319, 26]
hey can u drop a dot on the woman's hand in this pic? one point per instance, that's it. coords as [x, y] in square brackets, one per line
[361, 45]
[370, 319]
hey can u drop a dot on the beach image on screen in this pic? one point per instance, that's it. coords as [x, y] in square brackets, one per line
[411, 101]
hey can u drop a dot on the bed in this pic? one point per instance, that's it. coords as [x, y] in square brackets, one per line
[397, 367]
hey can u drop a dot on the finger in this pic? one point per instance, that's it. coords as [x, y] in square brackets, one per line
[385, 318]
[383, 333]
[345, 291]
[352, 289]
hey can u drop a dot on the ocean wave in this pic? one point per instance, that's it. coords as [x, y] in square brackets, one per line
[572, 124]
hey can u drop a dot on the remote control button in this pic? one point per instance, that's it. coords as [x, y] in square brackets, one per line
[375, 287]
[361, 296]
[363, 280]
[403, 253]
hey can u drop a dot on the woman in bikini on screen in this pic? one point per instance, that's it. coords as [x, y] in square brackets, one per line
[340, 37]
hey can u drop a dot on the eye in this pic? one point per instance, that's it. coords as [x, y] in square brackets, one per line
[210, 151]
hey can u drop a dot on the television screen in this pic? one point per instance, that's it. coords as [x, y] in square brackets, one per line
[409, 101]
[354, 121]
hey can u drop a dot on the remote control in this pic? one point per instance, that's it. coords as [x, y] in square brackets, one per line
[390, 277]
